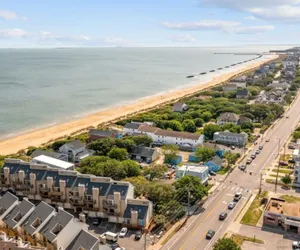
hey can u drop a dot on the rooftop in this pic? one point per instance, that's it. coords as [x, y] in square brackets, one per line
[7, 201]
[279, 206]
[193, 168]
[56, 224]
[18, 213]
[227, 133]
[83, 240]
[141, 209]
[103, 133]
[228, 116]
[185, 135]
[75, 144]
[143, 151]
[39, 152]
[53, 162]
[89, 185]
[118, 187]
[37, 217]
[146, 128]
[132, 125]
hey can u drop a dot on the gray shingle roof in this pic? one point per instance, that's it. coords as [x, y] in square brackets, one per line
[39, 152]
[75, 144]
[142, 151]
[132, 125]
[19, 211]
[56, 224]
[103, 133]
[141, 209]
[229, 117]
[83, 240]
[242, 92]
[185, 135]
[42, 212]
[69, 179]
[7, 201]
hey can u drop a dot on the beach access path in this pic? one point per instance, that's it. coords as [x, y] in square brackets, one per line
[40, 136]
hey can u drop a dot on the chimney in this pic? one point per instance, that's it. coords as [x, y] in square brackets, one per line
[81, 190]
[117, 201]
[21, 176]
[32, 177]
[62, 188]
[50, 183]
[96, 197]
[134, 217]
[82, 218]
[6, 175]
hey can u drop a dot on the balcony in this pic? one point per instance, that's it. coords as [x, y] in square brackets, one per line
[55, 193]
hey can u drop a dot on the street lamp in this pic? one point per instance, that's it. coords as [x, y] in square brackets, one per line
[276, 181]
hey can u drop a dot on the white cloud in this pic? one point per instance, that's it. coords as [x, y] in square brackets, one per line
[253, 29]
[9, 15]
[183, 38]
[284, 10]
[13, 33]
[202, 25]
[48, 36]
[250, 18]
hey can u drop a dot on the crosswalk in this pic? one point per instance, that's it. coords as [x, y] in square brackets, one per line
[233, 188]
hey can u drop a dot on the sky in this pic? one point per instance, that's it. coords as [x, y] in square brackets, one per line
[67, 23]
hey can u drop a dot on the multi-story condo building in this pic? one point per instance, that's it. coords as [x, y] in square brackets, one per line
[97, 197]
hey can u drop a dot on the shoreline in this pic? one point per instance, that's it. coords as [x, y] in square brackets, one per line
[37, 137]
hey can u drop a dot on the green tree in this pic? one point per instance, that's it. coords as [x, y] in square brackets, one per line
[174, 125]
[30, 150]
[119, 154]
[231, 158]
[140, 184]
[92, 161]
[233, 128]
[206, 116]
[225, 244]
[131, 168]
[155, 172]
[102, 146]
[160, 193]
[254, 91]
[170, 152]
[296, 135]
[126, 143]
[195, 186]
[57, 144]
[189, 126]
[160, 219]
[144, 140]
[293, 87]
[247, 125]
[286, 179]
[199, 122]
[210, 129]
[204, 153]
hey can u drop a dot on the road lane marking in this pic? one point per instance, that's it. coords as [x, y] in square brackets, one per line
[200, 223]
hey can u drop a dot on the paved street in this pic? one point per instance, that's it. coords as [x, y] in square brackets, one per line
[193, 237]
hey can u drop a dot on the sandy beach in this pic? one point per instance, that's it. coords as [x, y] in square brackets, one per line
[43, 135]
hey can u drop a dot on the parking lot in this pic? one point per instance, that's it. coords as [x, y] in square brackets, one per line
[127, 242]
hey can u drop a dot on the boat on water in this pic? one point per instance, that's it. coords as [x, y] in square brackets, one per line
[212, 70]
[202, 73]
[191, 76]
[220, 68]
[227, 67]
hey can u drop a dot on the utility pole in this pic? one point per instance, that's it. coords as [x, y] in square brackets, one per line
[145, 242]
[276, 181]
[261, 175]
[188, 201]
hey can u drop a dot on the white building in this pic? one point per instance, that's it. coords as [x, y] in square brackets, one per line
[193, 170]
[53, 163]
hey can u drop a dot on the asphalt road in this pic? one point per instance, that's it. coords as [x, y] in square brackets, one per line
[194, 236]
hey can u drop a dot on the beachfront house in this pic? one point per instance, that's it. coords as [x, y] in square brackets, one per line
[56, 155]
[146, 154]
[179, 107]
[242, 78]
[230, 87]
[229, 138]
[53, 163]
[97, 134]
[76, 151]
[279, 85]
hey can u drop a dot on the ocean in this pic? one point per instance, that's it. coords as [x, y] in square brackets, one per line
[42, 87]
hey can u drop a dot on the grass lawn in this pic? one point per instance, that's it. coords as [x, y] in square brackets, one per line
[290, 198]
[272, 181]
[275, 175]
[283, 171]
[239, 239]
[255, 210]
[285, 157]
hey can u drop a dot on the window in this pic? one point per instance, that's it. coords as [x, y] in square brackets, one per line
[18, 217]
[36, 223]
[57, 229]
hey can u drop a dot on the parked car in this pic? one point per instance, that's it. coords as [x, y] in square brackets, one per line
[260, 147]
[291, 146]
[242, 167]
[231, 205]
[232, 147]
[212, 173]
[223, 216]
[237, 196]
[253, 156]
[138, 235]
[283, 163]
[123, 232]
[257, 151]
[267, 140]
[210, 234]
[249, 160]
[296, 244]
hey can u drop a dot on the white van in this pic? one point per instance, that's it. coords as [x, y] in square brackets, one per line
[111, 236]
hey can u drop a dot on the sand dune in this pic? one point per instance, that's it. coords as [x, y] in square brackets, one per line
[43, 135]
